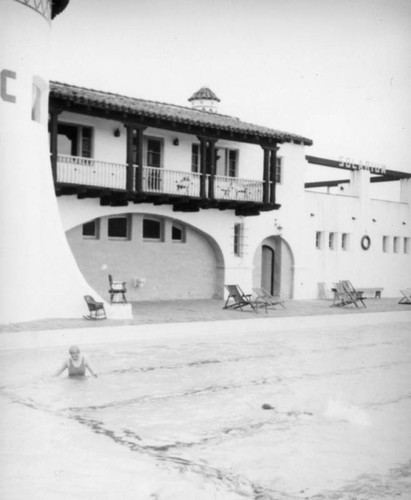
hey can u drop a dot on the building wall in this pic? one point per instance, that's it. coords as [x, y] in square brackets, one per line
[209, 255]
[364, 268]
[162, 270]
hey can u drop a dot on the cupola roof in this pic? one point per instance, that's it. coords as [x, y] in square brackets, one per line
[204, 93]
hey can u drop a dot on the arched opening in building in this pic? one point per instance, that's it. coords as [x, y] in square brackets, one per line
[274, 267]
[160, 258]
[267, 269]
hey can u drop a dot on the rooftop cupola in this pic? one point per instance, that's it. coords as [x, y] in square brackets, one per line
[204, 100]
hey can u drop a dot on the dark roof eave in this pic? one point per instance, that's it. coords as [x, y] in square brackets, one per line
[201, 120]
[57, 7]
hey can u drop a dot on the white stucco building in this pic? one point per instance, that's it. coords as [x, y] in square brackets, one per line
[178, 201]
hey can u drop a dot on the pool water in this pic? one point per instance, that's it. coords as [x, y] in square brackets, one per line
[190, 409]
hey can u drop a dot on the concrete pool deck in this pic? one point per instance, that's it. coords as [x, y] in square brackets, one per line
[189, 316]
[185, 317]
[181, 311]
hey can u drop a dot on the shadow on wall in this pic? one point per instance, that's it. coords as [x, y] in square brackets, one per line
[159, 258]
[274, 267]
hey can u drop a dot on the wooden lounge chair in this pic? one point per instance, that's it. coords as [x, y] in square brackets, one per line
[341, 297]
[356, 295]
[406, 296]
[117, 288]
[238, 299]
[267, 300]
[96, 309]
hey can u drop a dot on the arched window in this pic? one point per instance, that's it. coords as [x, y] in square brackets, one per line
[39, 100]
[238, 239]
[35, 103]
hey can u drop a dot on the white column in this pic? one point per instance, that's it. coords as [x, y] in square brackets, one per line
[405, 191]
[360, 187]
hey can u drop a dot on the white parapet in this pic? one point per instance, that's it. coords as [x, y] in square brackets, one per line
[118, 311]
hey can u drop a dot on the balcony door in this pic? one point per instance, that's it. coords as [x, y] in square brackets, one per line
[195, 159]
[74, 140]
[152, 161]
[153, 147]
[226, 162]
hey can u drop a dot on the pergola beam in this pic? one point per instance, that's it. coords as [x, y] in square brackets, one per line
[388, 175]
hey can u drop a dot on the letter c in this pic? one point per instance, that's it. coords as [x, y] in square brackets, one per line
[4, 75]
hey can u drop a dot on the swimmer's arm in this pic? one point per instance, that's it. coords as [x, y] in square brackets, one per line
[90, 369]
[61, 370]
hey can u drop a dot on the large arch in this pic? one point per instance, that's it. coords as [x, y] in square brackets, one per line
[274, 267]
[155, 269]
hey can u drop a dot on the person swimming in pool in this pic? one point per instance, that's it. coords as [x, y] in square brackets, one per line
[76, 364]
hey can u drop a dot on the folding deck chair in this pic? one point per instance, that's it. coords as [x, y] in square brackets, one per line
[341, 297]
[96, 309]
[406, 296]
[239, 299]
[267, 300]
[356, 295]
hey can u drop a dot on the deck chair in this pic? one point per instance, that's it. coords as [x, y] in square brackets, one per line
[406, 296]
[96, 309]
[266, 299]
[356, 295]
[341, 297]
[238, 299]
[117, 288]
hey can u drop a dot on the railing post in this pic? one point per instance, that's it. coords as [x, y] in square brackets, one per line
[136, 130]
[53, 141]
[273, 172]
[129, 157]
[211, 193]
[266, 175]
[203, 166]
[140, 158]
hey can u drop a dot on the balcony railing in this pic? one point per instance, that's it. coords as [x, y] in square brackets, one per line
[96, 173]
[90, 172]
[230, 188]
[159, 180]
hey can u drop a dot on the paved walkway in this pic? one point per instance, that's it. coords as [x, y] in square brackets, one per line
[179, 311]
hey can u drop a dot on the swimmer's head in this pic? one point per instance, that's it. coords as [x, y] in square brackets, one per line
[74, 352]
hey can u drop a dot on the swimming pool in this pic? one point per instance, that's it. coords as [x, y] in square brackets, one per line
[183, 418]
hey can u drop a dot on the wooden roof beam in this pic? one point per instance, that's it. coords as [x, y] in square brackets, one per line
[326, 183]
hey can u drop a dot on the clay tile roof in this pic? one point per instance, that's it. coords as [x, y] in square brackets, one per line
[62, 94]
[204, 93]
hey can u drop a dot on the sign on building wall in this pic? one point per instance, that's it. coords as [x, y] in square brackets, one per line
[350, 164]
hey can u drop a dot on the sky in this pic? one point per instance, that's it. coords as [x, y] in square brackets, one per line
[336, 71]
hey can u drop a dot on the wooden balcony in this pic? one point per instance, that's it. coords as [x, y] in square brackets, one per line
[109, 181]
